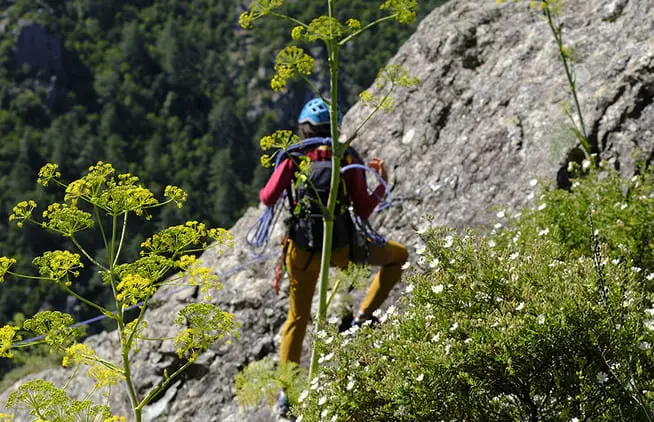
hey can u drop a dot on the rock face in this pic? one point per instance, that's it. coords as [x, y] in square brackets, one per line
[39, 48]
[484, 122]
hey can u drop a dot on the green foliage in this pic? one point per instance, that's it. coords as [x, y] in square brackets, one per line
[156, 87]
[262, 380]
[47, 402]
[105, 200]
[549, 318]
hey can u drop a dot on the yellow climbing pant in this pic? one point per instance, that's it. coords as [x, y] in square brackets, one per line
[304, 268]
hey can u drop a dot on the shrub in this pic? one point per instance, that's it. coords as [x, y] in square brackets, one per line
[548, 319]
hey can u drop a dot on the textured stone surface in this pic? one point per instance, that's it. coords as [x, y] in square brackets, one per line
[38, 48]
[484, 122]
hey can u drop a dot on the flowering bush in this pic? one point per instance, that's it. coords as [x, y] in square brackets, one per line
[106, 201]
[548, 319]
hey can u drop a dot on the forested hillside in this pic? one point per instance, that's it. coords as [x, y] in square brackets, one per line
[160, 88]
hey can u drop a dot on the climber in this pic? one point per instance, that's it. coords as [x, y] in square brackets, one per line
[304, 241]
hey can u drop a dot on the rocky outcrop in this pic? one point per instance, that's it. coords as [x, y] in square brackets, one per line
[484, 122]
[38, 48]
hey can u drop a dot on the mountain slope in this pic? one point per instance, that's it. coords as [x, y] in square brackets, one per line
[484, 123]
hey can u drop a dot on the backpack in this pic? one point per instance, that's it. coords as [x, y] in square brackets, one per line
[306, 222]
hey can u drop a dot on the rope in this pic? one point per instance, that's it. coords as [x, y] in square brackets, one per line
[258, 235]
[383, 204]
[223, 276]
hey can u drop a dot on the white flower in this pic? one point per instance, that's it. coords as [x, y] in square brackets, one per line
[623, 206]
[544, 232]
[422, 260]
[498, 225]
[615, 261]
[541, 207]
[350, 385]
[406, 265]
[436, 338]
[434, 263]
[447, 349]
[636, 269]
[324, 413]
[541, 319]
[650, 276]
[574, 420]
[643, 345]
[454, 326]
[449, 241]
[328, 340]
[492, 243]
[420, 377]
[437, 288]
[421, 250]
[299, 418]
[322, 400]
[514, 256]
[422, 230]
[468, 340]
[533, 182]
[649, 324]
[500, 214]
[585, 164]
[409, 288]
[303, 396]
[602, 377]
[520, 307]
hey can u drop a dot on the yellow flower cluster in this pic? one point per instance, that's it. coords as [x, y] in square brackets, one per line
[258, 8]
[5, 417]
[56, 327]
[385, 104]
[22, 212]
[116, 419]
[176, 194]
[126, 198]
[266, 161]
[324, 28]
[185, 262]
[134, 329]
[134, 288]
[397, 75]
[353, 24]
[57, 265]
[5, 264]
[66, 219]
[291, 62]
[104, 376]
[206, 324]
[47, 173]
[404, 11]
[80, 353]
[280, 139]
[204, 277]
[297, 32]
[91, 184]
[7, 337]
[176, 239]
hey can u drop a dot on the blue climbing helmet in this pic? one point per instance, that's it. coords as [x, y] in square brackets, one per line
[316, 112]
